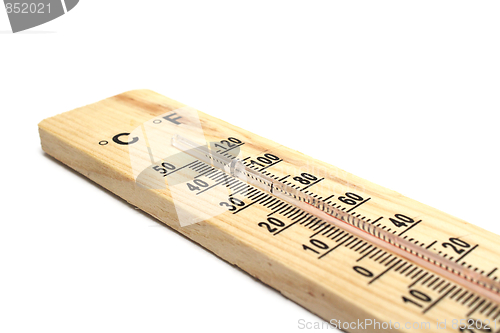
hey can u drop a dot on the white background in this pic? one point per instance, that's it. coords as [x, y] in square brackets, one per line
[403, 94]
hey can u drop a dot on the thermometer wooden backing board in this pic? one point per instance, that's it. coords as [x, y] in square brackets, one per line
[333, 274]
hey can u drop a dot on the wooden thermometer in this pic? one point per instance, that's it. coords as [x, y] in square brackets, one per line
[362, 257]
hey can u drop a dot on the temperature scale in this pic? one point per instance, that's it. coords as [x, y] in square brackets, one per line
[348, 250]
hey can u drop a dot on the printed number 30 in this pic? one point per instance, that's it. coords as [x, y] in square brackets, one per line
[235, 202]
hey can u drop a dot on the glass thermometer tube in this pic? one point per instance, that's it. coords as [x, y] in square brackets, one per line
[356, 226]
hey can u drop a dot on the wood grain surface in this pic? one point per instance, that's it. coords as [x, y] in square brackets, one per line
[348, 281]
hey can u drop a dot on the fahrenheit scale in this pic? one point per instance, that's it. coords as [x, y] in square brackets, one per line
[343, 247]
